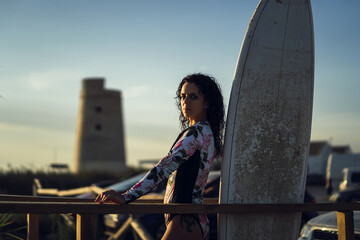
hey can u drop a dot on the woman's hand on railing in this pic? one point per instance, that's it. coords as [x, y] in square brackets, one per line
[110, 196]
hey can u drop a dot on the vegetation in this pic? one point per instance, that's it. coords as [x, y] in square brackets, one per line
[9, 230]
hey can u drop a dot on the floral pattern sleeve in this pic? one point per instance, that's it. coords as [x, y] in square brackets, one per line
[183, 149]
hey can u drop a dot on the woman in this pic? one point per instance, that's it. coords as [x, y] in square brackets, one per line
[187, 165]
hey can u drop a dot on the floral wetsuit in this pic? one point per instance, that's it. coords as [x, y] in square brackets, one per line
[186, 167]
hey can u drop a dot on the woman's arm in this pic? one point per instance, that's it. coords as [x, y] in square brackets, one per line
[183, 149]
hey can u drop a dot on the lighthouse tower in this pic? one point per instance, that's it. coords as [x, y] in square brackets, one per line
[99, 144]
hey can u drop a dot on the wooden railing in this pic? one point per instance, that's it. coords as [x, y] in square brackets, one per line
[85, 209]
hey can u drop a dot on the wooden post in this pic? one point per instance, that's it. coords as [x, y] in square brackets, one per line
[85, 227]
[32, 226]
[345, 221]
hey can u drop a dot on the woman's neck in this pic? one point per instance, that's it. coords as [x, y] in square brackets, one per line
[192, 122]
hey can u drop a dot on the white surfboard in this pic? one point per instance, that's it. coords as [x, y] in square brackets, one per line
[268, 126]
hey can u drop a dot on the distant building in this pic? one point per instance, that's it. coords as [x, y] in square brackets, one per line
[59, 167]
[99, 144]
[336, 163]
[341, 149]
[318, 155]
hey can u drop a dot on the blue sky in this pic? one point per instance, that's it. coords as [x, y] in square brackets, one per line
[144, 48]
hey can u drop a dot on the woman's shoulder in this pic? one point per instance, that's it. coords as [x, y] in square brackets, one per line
[202, 127]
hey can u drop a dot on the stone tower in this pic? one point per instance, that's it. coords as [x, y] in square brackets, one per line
[99, 140]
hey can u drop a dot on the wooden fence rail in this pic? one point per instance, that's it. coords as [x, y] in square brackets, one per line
[86, 209]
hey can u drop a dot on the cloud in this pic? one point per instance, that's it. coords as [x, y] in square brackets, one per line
[137, 91]
[43, 81]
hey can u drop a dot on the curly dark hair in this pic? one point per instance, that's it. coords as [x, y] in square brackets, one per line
[211, 91]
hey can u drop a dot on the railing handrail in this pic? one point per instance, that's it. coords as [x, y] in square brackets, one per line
[43, 205]
[24, 198]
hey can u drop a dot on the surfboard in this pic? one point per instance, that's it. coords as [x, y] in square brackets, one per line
[268, 125]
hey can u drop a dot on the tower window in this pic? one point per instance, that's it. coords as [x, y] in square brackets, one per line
[98, 109]
[98, 127]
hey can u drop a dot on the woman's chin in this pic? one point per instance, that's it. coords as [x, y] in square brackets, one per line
[186, 114]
